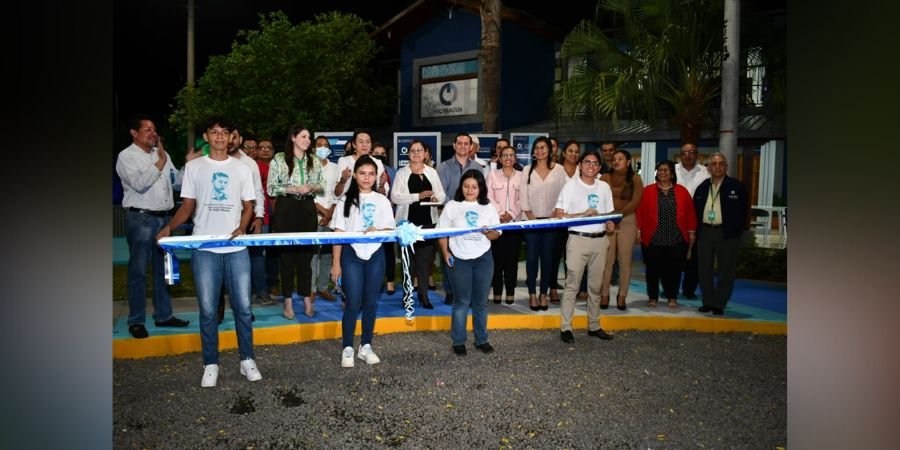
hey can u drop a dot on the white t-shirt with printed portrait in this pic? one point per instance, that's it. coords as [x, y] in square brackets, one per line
[576, 197]
[374, 211]
[468, 214]
[219, 188]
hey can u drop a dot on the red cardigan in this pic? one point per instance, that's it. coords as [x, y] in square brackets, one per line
[648, 213]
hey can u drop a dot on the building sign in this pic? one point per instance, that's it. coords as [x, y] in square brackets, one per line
[454, 69]
[523, 142]
[449, 98]
[403, 140]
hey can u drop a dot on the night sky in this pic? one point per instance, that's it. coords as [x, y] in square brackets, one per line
[150, 38]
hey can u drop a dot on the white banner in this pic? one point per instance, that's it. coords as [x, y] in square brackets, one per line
[449, 98]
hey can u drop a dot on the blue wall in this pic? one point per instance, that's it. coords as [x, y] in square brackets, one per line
[526, 83]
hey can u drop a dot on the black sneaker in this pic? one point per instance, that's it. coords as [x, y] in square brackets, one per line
[567, 337]
[138, 331]
[600, 334]
[460, 350]
[173, 322]
[485, 348]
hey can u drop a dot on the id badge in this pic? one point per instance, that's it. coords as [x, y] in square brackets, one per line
[711, 216]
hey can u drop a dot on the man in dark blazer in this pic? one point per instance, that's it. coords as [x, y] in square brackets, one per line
[721, 203]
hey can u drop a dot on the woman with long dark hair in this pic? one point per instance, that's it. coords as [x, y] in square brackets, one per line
[295, 177]
[468, 258]
[359, 268]
[544, 179]
[627, 189]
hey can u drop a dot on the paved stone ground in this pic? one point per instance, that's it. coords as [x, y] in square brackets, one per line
[644, 389]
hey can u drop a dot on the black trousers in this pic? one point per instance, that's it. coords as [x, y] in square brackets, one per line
[505, 251]
[664, 264]
[421, 265]
[390, 261]
[691, 278]
[293, 215]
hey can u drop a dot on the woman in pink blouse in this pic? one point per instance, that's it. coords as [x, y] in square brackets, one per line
[503, 192]
[543, 180]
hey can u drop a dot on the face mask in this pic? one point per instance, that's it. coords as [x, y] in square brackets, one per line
[323, 152]
[383, 158]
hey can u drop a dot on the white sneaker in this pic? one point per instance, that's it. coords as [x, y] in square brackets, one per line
[249, 370]
[366, 354]
[347, 357]
[210, 375]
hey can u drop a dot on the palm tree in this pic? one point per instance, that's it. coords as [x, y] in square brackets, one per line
[656, 57]
[489, 63]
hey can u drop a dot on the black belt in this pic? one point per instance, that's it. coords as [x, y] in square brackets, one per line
[149, 212]
[589, 235]
[707, 225]
[300, 197]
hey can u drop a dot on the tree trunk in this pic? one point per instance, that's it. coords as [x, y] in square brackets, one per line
[730, 68]
[489, 64]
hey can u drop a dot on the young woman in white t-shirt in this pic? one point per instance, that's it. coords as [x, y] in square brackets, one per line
[359, 268]
[469, 259]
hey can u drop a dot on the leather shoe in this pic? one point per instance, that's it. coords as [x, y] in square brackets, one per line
[705, 308]
[138, 331]
[485, 348]
[327, 296]
[718, 311]
[567, 337]
[426, 303]
[173, 322]
[600, 334]
[460, 350]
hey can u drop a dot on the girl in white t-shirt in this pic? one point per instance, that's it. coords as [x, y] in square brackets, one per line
[469, 258]
[359, 268]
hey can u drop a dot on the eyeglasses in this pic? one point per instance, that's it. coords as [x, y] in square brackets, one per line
[689, 152]
[265, 147]
[416, 150]
[590, 163]
[251, 147]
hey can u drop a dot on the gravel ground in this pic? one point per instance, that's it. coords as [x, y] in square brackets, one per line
[644, 389]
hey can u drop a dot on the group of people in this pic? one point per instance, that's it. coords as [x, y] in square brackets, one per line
[241, 187]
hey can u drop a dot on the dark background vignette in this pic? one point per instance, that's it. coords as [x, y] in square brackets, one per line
[843, 258]
[57, 347]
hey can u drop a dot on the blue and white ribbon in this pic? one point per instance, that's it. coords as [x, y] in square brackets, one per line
[406, 234]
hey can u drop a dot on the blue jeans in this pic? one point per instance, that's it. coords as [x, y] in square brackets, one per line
[361, 284]
[471, 279]
[539, 245]
[211, 272]
[141, 230]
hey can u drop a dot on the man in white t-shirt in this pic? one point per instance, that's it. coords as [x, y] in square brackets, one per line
[690, 175]
[218, 193]
[587, 245]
